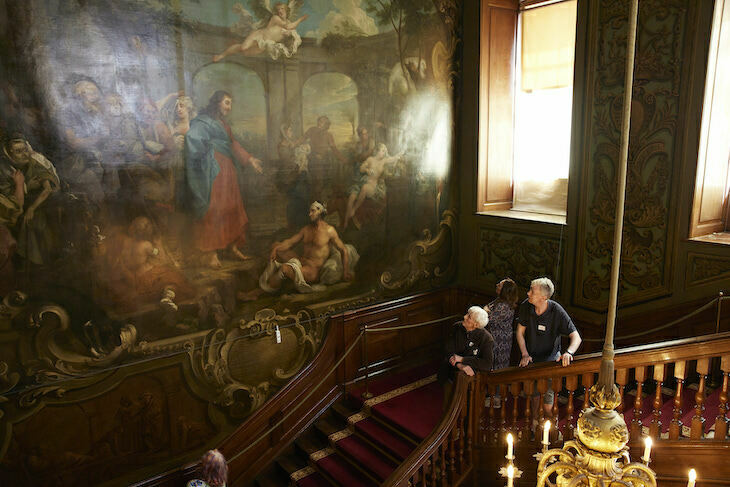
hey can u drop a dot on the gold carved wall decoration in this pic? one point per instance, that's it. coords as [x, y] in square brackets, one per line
[521, 257]
[655, 112]
[432, 259]
[703, 269]
[238, 370]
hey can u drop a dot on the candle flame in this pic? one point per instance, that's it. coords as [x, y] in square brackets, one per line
[509, 438]
[647, 441]
[547, 425]
[692, 475]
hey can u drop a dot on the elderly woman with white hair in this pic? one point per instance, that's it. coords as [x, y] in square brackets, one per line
[469, 348]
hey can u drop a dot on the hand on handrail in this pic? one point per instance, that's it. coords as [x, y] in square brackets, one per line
[526, 359]
[565, 359]
[466, 369]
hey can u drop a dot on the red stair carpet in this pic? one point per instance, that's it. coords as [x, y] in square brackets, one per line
[376, 434]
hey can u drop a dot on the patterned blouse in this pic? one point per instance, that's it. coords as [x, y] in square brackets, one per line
[501, 317]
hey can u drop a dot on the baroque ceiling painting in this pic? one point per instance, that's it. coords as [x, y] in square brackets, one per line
[188, 189]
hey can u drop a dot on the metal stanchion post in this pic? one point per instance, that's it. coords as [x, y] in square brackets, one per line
[719, 304]
[366, 394]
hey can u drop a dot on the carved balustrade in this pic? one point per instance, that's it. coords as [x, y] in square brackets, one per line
[669, 371]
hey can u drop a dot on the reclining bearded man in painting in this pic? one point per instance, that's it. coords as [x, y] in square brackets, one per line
[318, 265]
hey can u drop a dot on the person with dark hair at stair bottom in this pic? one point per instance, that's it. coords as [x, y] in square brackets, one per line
[540, 324]
[469, 348]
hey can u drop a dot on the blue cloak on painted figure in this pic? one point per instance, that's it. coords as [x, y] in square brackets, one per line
[213, 196]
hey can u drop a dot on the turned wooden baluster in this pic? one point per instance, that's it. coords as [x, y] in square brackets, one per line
[587, 381]
[557, 387]
[697, 429]
[542, 387]
[502, 411]
[490, 416]
[514, 390]
[528, 385]
[655, 428]
[721, 419]
[470, 419]
[622, 378]
[675, 427]
[463, 426]
[422, 475]
[636, 420]
[571, 383]
[442, 454]
[452, 457]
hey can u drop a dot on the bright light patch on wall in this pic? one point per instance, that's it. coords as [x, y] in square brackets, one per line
[425, 133]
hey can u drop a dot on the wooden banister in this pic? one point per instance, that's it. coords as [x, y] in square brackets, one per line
[438, 448]
[705, 346]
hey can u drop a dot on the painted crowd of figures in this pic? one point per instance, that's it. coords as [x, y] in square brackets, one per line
[171, 174]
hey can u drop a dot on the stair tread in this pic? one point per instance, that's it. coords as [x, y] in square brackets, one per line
[312, 479]
[289, 464]
[365, 456]
[339, 470]
[398, 410]
[392, 443]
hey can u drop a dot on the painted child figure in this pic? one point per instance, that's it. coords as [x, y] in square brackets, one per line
[271, 38]
[371, 184]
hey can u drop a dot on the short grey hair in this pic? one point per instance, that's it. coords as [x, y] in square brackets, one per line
[545, 285]
[479, 315]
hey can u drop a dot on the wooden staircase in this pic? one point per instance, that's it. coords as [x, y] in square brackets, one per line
[675, 391]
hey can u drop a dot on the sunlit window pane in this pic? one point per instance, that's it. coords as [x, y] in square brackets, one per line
[543, 108]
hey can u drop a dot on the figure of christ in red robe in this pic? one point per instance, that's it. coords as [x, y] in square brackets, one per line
[212, 182]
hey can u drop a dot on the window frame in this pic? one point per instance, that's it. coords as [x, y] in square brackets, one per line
[495, 184]
[714, 229]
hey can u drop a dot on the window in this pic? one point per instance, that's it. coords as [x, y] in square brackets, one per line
[525, 105]
[710, 206]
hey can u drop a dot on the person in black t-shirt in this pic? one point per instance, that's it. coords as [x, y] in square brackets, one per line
[469, 348]
[540, 324]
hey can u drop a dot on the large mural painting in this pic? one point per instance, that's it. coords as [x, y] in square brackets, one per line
[184, 181]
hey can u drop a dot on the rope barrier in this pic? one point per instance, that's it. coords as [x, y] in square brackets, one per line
[405, 327]
[667, 325]
[301, 401]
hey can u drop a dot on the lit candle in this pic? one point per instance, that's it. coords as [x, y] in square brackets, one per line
[546, 433]
[510, 441]
[692, 478]
[511, 475]
[647, 449]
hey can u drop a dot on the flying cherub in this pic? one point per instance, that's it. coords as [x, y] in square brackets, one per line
[274, 34]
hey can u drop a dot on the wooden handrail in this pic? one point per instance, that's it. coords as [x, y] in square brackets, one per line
[705, 346]
[464, 394]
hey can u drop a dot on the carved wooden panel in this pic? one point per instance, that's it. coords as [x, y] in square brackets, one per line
[655, 119]
[702, 269]
[523, 257]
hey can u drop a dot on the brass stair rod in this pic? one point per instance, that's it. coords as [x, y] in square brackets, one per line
[366, 394]
[605, 377]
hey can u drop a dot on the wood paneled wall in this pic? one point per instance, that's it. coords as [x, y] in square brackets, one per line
[661, 266]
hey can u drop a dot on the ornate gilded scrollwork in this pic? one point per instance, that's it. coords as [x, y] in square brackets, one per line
[209, 364]
[430, 258]
[54, 359]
